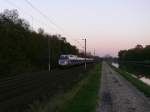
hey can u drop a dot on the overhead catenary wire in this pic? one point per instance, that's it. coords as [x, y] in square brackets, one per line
[43, 15]
[50, 20]
[24, 12]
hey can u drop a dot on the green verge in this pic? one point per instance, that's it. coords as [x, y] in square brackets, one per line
[81, 98]
[136, 82]
[85, 99]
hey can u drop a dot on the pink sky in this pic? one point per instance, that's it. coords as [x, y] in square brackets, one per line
[108, 25]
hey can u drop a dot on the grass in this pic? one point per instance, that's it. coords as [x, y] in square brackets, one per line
[86, 98]
[140, 85]
[81, 98]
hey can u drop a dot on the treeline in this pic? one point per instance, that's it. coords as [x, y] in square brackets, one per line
[139, 54]
[24, 50]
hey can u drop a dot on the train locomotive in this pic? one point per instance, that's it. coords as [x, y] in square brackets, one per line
[70, 60]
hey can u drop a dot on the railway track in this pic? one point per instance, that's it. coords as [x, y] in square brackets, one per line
[17, 92]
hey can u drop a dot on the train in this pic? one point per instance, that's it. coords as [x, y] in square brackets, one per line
[70, 60]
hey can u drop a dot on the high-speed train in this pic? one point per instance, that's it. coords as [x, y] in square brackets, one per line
[69, 59]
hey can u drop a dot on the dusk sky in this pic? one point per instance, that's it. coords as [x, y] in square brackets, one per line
[108, 25]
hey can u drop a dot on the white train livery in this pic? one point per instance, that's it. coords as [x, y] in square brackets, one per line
[69, 59]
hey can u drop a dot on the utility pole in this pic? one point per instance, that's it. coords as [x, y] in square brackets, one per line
[32, 22]
[85, 53]
[49, 64]
[94, 52]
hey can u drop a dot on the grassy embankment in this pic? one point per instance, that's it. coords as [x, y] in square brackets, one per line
[140, 85]
[81, 98]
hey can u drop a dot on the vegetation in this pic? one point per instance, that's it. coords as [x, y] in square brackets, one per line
[81, 98]
[139, 53]
[35, 88]
[138, 69]
[136, 82]
[23, 50]
[86, 98]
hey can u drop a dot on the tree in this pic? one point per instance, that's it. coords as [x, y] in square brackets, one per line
[25, 50]
[40, 31]
[139, 53]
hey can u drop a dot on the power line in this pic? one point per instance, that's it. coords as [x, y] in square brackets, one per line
[51, 21]
[42, 14]
[23, 11]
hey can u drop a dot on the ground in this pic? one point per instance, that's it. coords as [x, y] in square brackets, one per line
[118, 95]
[20, 91]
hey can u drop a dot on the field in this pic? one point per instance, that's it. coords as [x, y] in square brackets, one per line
[17, 92]
[82, 97]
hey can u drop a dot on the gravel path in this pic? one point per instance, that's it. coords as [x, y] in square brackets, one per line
[118, 95]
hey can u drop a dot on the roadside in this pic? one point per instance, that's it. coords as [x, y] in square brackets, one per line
[16, 93]
[81, 98]
[140, 85]
[118, 95]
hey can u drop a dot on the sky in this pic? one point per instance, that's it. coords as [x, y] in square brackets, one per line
[108, 25]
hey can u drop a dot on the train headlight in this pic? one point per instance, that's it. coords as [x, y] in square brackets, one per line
[65, 62]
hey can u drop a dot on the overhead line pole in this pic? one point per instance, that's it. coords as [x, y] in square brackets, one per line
[85, 53]
[49, 62]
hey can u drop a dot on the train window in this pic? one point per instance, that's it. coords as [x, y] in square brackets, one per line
[63, 57]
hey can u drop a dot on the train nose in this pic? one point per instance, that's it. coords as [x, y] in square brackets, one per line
[63, 62]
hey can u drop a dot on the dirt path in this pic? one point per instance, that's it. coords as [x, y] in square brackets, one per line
[118, 95]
